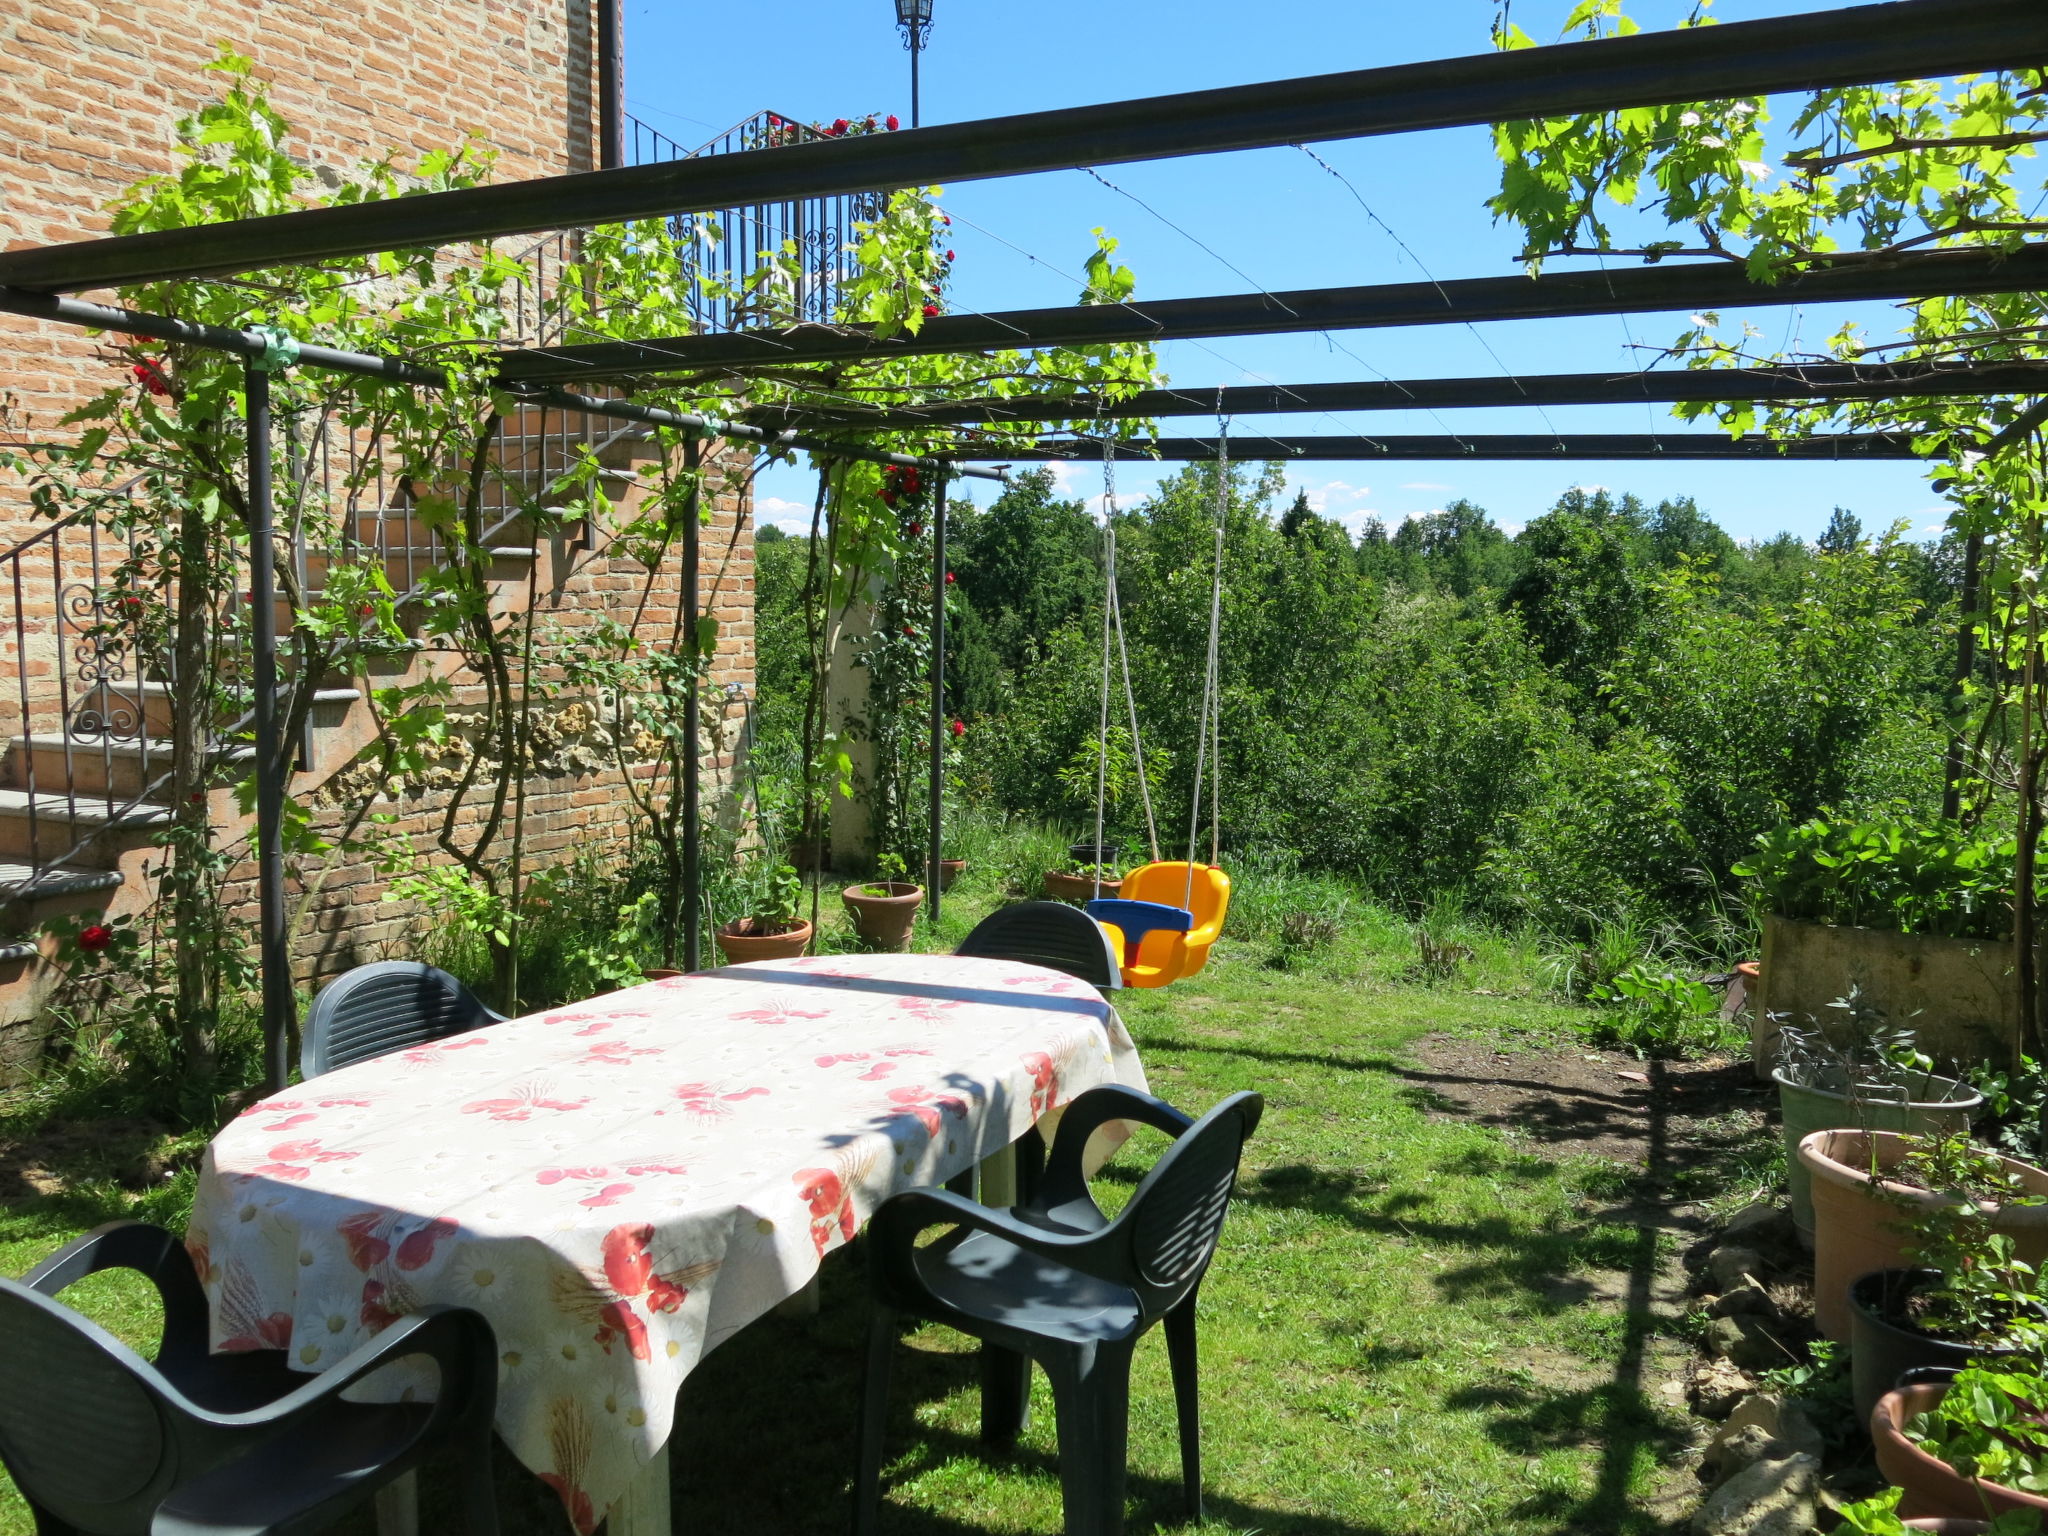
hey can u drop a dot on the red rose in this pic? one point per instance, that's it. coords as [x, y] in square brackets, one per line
[915, 530]
[95, 937]
[931, 311]
[959, 728]
[949, 255]
[949, 578]
[150, 377]
[367, 609]
[909, 633]
[839, 126]
[871, 122]
[948, 218]
[892, 123]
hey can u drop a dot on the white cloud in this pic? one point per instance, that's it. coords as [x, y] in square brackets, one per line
[774, 512]
[1590, 490]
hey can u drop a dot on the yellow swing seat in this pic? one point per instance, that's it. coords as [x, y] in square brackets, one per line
[1165, 957]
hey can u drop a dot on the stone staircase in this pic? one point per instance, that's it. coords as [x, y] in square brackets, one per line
[85, 773]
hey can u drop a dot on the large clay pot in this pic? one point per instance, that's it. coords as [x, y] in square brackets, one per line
[949, 871]
[1929, 1486]
[1920, 1102]
[883, 919]
[753, 938]
[1859, 1223]
[1064, 887]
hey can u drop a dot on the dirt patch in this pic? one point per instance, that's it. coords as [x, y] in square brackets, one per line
[134, 1153]
[1659, 1117]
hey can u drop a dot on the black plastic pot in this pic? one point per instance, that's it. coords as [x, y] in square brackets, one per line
[1096, 853]
[1882, 1350]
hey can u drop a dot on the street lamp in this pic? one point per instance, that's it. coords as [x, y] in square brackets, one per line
[915, 18]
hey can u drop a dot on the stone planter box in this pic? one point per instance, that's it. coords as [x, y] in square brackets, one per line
[1959, 996]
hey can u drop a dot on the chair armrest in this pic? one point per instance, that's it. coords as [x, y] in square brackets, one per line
[116, 1245]
[1063, 1181]
[457, 1339]
[154, 1253]
[893, 1230]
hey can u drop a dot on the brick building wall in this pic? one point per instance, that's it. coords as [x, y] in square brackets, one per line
[93, 90]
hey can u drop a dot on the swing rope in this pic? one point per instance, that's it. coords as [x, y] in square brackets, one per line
[1208, 727]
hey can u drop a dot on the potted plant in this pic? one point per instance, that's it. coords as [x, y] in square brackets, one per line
[884, 908]
[772, 931]
[1108, 851]
[1920, 910]
[1972, 1447]
[949, 871]
[1971, 1297]
[1871, 1187]
[1862, 1074]
[1082, 882]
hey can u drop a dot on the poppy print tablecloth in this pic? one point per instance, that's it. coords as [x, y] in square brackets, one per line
[621, 1184]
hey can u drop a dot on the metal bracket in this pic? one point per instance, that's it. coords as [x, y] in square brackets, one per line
[280, 349]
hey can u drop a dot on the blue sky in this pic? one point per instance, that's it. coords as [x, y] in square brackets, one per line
[1274, 215]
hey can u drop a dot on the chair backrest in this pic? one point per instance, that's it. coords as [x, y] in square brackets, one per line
[1175, 1216]
[1048, 933]
[1168, 883]
[376, 1009]
[84, 1431]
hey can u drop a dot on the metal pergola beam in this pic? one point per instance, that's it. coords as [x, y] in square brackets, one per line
[1566, 446]
[1806, 381]
[1858, 45]
[1681, 286]
[253, 346]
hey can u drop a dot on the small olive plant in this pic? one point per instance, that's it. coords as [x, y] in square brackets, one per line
[1866, 1057]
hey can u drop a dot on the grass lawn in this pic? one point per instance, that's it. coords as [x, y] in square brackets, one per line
[1415, 1324]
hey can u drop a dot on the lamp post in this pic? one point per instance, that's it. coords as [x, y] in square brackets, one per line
[915, 18]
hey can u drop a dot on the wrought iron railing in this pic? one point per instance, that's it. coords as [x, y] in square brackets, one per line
[729, 246]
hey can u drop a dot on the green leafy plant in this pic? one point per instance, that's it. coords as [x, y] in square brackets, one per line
[889, 870]
[1659, 1013]
[1990, 1423]
[1878, 1515]
[1932, 877]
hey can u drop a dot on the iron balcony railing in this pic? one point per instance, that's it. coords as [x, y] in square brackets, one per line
[729, 246]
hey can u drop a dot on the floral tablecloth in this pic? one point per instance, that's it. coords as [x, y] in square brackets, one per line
[621, 1184]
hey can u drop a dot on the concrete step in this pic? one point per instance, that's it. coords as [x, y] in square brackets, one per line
[44, 825]
[153, 699]
[119, 768]
[21, 881]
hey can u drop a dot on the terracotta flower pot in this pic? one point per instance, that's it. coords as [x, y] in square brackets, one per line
[949, 871]
[754, 938]
[1859, 1224]
[883, 920]
[1064, 887]
[660, 973]
[1930, 1486]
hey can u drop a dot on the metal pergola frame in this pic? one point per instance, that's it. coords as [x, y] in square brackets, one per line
[1858, 45]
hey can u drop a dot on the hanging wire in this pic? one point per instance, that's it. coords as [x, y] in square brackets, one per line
[1206, 728]
[1116, 615]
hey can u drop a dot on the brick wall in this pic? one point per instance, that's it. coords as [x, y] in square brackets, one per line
[351, 920]
[93, 88]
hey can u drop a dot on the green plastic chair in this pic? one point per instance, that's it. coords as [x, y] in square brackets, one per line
[1056, 1282]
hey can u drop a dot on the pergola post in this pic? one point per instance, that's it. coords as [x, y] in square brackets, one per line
[936, 807]
[280, 1005]
[693, 875]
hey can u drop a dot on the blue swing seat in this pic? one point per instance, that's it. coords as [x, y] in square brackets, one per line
[1134, 919]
